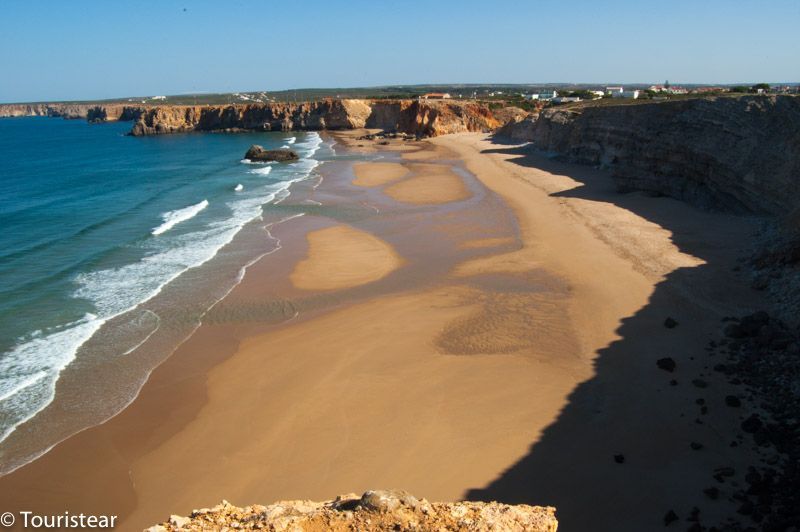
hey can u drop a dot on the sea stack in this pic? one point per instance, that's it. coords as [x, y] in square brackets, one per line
[258, 153]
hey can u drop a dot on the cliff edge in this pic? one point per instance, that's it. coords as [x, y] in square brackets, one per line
[739, 154]
[413, 117]
[374, 510]
[422, 119]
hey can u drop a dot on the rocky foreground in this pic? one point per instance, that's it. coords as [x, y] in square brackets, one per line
[374, 510]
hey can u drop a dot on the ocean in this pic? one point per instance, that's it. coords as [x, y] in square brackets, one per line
[111, 250]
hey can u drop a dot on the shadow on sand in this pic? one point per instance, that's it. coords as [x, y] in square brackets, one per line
[629, 409]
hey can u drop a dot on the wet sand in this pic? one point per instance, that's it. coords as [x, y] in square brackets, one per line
[377, 174]
[435, 368]
[343, 257]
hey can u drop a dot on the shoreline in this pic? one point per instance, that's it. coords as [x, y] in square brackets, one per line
[508, 318]
[179, 303]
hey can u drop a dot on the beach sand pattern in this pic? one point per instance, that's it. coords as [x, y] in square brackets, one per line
[429, 337]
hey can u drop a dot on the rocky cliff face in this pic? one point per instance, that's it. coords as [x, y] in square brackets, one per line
[422, 119]
[739, 154]
[374, 510]
[407, 116]
[91, 112]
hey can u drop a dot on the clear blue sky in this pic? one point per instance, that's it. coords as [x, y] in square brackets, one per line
[64, 50]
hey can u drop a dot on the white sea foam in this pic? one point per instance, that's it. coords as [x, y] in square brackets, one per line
[261, 171]
[29, 371]
[173, 218]
[291, 140]
[239, 187]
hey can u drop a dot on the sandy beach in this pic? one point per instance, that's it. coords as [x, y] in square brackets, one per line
[467, 320]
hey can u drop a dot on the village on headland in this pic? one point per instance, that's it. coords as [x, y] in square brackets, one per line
[527, 96]
[555, 95]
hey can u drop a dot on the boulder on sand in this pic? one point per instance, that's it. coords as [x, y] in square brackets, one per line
[258, 153]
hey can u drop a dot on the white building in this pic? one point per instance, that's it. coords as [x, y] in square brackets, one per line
[598, 94]
[614, 90]
[566, 99]
[625, 94]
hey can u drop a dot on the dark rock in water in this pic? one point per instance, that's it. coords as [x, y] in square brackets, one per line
[700, 383]
[696, 446]
[619, 458]
[258, 153]
[666, 363]
[733, 401]
[752, 424]
[670, 323]
[670, 517]
[712, 493]
[673, 382]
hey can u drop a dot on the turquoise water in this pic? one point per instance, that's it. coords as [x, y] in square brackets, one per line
[96, 223]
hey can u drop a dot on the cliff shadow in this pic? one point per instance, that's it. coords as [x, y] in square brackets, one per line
[634, 442]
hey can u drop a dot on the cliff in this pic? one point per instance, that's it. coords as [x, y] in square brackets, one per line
[406, 116]
[419, 118]
[737, 154]
[374, 510]
[91, 112]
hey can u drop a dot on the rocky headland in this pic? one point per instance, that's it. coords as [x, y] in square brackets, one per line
[421, 119]
[417, 118]
[75, 111]
[374, 510]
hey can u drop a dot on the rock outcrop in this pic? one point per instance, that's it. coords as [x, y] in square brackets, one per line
[374, 510]
[740, 154]
[258, 153]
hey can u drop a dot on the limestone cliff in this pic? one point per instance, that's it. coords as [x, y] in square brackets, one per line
[420, 118]
[739, 154]
[407, 116]
[327, 114]
[374, 510]
[91, 112]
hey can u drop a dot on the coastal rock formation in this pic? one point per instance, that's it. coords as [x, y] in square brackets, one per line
[430, 118]
[740, 154]
[407, 116]
[374, 510]
[91, 112]
[417, 118]
[258, 153]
